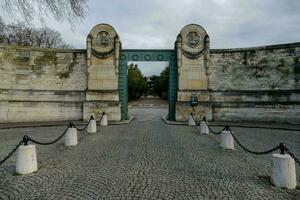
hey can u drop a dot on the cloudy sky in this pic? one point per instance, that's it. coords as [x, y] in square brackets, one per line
[155, 24]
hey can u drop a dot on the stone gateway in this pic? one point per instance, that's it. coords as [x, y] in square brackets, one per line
[244, 84]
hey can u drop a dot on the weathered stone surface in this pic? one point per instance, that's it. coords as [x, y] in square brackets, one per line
[146, 159]
[184, 109]
[255, 84]
[96, 108]
[102, 96]
[202, 95]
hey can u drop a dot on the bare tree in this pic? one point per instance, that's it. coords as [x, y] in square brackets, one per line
[61, 10]
[21, 35]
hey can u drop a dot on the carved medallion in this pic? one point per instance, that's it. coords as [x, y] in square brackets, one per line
[193, 38]
[102, 39]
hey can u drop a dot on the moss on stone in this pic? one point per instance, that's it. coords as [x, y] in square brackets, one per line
[48, 57]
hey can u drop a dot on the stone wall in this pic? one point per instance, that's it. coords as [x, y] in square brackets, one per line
[41, 84]
[256, 84]
[249, 84]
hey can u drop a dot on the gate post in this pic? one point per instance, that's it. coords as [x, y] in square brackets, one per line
[103, 52]
[192, 46]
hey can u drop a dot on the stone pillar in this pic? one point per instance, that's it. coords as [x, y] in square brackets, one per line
[102, 95]
[192, 47]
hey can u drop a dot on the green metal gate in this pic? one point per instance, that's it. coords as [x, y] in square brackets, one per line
[148, 55]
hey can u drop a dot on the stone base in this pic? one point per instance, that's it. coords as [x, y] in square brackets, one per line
[104, 120]
[70, 138]
[283, 171]
[92, 127]
[184, 109]
[26, 161]
[111, 108]
[203, 128]
[226, 140]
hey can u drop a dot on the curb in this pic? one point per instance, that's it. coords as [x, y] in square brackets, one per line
[65, 123]
[232, 125]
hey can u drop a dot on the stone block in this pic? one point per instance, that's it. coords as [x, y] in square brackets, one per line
[110, 85]
[26, 159]
[102, 74]
[184, 109]
[112, 109]
[102, 95]
[196, 84]
[283, 171]
[185, 95]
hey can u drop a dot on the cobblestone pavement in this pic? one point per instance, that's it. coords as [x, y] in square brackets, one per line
[147, 102]
[146, 159]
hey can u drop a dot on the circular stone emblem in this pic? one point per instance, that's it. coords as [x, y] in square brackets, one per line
[102, 39]
[193, 38]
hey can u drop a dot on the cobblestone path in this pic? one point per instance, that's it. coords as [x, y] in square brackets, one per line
[146, 159]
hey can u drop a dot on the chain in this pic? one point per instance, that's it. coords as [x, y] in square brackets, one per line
[293, 156]
[250, 151]
[102, 116]
[213, 132]
[52, 142]
[82, 129]
[194, 119]
[12, 152]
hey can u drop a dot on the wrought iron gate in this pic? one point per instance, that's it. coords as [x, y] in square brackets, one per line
[148, 55]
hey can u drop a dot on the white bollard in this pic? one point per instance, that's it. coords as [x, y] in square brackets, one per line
[226, 140]
[92, 127]
[191, 121]
[26, 161]
[204, 128]
[71, 137]
[103, 121]
[283, 171]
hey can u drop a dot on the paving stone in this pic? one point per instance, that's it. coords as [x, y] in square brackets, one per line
[146, 159]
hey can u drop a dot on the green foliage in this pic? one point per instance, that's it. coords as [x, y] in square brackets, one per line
[137, 83]
[158, 85]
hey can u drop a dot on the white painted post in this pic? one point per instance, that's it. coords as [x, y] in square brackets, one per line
[283, 171]
[92, 127]
[26, 161]
[226, 140]
[103, 121]
[191, 121]
[70, 138]
[203, 128]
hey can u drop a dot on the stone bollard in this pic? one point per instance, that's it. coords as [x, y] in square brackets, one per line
[203, 127]
[191, 121]
[226, 139]
[92, 127]
[71, 136]
[283, 171]
[26, 161]
[103, 121]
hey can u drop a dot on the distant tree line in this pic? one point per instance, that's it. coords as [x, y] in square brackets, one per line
[22, 35]
[158, 85]
[139, 85]
[61, 10]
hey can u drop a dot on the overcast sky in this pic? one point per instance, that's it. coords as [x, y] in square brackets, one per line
[155, 24]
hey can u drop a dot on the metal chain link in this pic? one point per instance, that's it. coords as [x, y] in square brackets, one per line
[101, 116]
[293, 156]
[213, 132]
[250, 151]
[82, 129]
[197, 123]
[52, 142]
[12, 152]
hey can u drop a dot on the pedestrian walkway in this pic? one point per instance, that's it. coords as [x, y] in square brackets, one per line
[146, 159]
